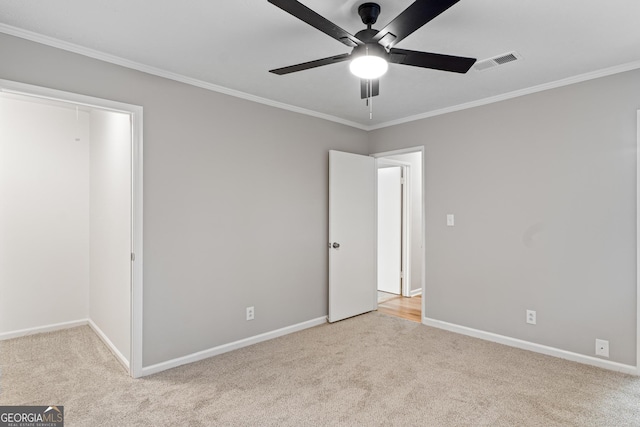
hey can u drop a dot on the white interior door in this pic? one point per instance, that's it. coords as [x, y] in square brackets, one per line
[390, 229]
[352, 240]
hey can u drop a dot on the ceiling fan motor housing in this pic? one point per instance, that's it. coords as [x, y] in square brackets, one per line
[369, 13]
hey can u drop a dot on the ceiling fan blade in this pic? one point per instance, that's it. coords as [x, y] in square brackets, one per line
[311, 64]
[436, 61]
[307, 15]
[412, 18]
[365, 88]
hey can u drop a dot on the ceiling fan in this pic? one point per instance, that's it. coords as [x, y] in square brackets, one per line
[373, 50]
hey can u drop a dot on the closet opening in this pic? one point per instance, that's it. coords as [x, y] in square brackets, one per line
[71, 217]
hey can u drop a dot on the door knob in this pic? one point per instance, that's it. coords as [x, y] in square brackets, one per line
[335, 245]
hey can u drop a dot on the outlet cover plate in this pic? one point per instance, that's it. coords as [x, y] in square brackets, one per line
[602, 348]
[531, 317]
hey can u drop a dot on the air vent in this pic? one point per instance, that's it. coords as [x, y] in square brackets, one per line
[497, 60]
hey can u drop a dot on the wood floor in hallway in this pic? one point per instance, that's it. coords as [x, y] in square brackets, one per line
[407, 308]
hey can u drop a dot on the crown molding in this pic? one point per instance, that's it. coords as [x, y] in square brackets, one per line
[91, 53]
[517, 93]
[113, 59]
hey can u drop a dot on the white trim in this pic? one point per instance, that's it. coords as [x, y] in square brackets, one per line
[24, 89]
[113, 59]
[526, 345]
[383, 162]
[425, 263]
[515, 94]
[225, 348]
[638, 245]
[91, 53]
[374, 294]
[416, 292]
[406, 231]
[136, 242]
[135, 113]
[123, 360]
[41, 329]
[399, 151]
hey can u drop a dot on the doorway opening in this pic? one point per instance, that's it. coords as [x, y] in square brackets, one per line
[400, 242]
[72, 176]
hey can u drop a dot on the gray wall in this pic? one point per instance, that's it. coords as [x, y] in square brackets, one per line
[543, 188]
[235, 201]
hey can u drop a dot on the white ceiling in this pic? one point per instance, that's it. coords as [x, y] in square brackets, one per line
[233, 44]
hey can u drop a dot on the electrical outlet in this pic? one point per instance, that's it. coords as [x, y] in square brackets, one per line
[602, 348]
[531, 317]
[250, 313]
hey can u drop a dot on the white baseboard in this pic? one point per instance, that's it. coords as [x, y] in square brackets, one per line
[123, 360]
[205, 354]
[526, 345]
[42, 329]
[416, 292]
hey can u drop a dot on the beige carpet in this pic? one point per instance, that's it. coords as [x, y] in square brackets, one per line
[369, 370]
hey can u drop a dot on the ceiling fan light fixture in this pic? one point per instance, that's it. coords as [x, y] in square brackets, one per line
[373, 49]
[368, 67]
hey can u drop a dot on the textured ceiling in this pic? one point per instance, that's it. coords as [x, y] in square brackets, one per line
[233, 44]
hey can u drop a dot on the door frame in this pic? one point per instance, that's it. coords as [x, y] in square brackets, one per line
[638, 243]
[135, 112]
[416, 149]
[406, 225]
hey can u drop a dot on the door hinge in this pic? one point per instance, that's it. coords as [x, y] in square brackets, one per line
[133, 256]
[402, 274]
[402, 181]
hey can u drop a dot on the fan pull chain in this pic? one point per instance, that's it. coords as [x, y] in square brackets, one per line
[370, 100]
